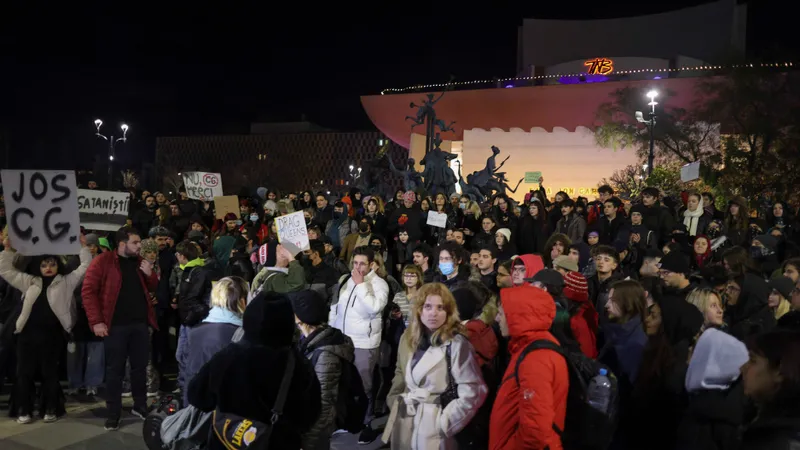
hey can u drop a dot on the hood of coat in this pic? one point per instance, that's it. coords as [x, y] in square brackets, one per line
[529, 312]
[715, 362]
[329, 339]
[533, 264]
[752, 298]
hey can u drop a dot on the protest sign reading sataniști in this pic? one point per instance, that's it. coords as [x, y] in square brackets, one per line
[292, 232]
[42, 211]
[103, 210]
[202, 185]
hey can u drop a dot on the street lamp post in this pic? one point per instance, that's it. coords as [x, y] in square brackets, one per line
[111, 146]
[651, 124]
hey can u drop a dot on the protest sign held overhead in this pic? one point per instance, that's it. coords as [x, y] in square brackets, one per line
[103, 210]
[292, 232]
[226, 204]
[202, 185]
[42, 211]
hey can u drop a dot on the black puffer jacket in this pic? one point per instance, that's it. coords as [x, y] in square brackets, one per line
[772, 433]
[194, 294]
[712, 420]
[331, 347]
[751, 314]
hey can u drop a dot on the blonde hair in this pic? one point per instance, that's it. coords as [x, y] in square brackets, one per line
[451, 327]
[413, 268]
[230, 293]
[474, 208]
[378, 204]
[381, 270]
[701, 298]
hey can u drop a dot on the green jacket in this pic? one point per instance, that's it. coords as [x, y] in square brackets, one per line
[277, 281]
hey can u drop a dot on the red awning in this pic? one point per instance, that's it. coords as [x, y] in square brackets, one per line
[566, 106]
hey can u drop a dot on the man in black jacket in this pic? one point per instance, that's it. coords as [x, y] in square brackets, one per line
[194, 292]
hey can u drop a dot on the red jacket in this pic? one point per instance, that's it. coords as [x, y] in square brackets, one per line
[584, 328]
[101, 287]
[524, 413]
[483, 341]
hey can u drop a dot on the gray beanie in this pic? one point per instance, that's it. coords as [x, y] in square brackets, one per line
[92, 239]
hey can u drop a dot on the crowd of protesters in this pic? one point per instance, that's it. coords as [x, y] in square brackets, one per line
[464, 336]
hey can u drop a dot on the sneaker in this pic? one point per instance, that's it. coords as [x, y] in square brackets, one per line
[24, 419]
[91, 392]
[50, 418]
[140, 412]
[368, 435]
[152, 394]
[112, 424]
[72, 392]
[339, 431]
[127, 394]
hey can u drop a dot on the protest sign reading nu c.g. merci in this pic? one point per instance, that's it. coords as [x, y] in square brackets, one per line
[292, 232]
[103, 210]
[202, 185]
[42, 211]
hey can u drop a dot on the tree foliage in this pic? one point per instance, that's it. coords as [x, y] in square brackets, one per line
[629, 182]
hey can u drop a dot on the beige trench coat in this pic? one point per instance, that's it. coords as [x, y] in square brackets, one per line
[417, 421]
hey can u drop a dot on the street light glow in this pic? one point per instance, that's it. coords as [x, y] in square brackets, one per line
[351, 167]
[124, 128]
[98, 123]
[110, 157]
[652, 94]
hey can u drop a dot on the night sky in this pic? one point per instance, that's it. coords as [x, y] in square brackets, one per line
[208, 70]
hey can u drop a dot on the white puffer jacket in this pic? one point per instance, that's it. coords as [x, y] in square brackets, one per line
[60, 293]
[359, 310]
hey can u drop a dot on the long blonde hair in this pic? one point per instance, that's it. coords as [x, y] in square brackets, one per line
[451, 326]
[230, 293]
[701, 298]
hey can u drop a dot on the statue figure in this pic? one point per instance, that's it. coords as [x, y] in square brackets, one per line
[372, 179]
[469, 189]
[438, 175]
[425, 110]
[411, 178]
[499, 183]
[484, 178]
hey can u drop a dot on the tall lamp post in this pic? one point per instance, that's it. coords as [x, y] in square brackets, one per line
[651, 124]
[112, 142]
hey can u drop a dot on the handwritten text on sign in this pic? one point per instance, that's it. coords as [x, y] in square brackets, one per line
[42, 208]
[202, 185]
[103, 210]
[292, 232]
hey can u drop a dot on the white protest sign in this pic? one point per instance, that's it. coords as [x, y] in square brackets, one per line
[437, 219]
[42, 211]
[202, 185]
[292, 232]
[690, 172]
[103, 210]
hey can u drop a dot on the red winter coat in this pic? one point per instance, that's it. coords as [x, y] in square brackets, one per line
[101, 287]
[524, 413]
[584, 328]
[483, 341]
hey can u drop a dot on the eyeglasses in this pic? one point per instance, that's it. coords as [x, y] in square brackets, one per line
[409, 275]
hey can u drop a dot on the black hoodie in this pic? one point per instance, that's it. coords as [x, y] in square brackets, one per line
[751, 314]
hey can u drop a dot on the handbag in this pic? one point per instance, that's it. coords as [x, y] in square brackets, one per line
[237, 432]
[451, 391]
[187, 428]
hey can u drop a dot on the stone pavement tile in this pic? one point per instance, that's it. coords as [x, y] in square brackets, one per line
[109, 440]
[8, 444]
[59, 434]
[10, 428]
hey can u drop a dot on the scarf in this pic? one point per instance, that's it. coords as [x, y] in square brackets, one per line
[692, 218]
[222, 315]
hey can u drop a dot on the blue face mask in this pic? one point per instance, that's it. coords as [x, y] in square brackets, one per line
[254, 218]
[238, 222]
[446, 268]
[462, 205]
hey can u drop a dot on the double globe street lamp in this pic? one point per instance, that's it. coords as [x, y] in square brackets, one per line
[112, 142]
[651, 124]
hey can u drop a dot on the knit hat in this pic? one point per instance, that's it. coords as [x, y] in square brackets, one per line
[196, 236]
[310, 307]
[784, 286]
[565, 262]
[639, 208]
[270, 205]
[505, 232]
[575, 287]
[548, 277]
[148, 245]
[676, 262]
[269, 320]
[455, 194]
[230, 216]
[466, 303]
[768, 241]
[92, 239]
[267, 256]
[410, 196]
[103, 242]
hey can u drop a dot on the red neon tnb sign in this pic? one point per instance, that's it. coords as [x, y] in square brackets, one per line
[599, 66]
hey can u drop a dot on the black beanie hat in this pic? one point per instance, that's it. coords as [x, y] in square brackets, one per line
[676, 262]
[269, 320]
[310, 307]
[466, 302]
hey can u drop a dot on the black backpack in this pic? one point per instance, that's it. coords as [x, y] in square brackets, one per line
[351, 401]
[585, 428]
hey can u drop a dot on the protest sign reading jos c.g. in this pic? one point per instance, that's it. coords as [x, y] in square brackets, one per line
[42, 211]
[103, 210]
[292, 232]
[202, 185]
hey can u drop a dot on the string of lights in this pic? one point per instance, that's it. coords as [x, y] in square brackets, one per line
[560, 75]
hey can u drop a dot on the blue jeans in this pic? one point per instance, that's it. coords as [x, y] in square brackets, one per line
[182, 356]
[86, 364]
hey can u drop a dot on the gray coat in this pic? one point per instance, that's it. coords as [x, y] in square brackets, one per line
[332, 347]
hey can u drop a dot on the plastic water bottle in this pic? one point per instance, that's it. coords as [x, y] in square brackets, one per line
[599, 391]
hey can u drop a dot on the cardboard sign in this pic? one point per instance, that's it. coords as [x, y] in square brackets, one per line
[42, 211]
[226, 204]
[103, 210]
[292, 232]
[532, 177]
[690, 172]
[203, 185]
[437, 219]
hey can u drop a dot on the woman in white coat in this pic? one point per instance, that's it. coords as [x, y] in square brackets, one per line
[422, 418]
[47, 315]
